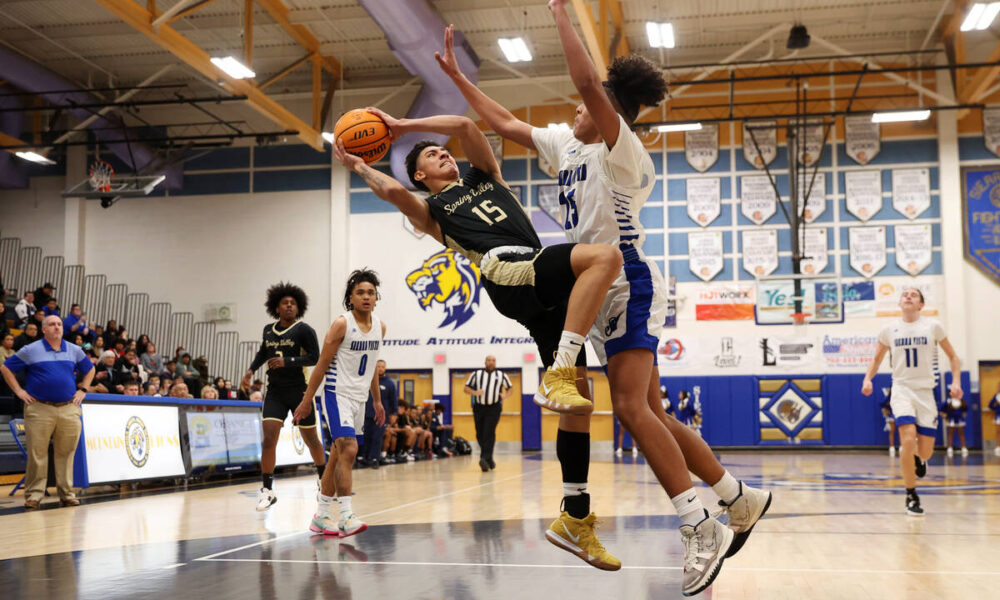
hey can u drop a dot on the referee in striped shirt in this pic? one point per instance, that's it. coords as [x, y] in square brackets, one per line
[488, 388]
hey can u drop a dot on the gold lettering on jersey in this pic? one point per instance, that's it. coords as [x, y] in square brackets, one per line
[279, 343]
[480, 189]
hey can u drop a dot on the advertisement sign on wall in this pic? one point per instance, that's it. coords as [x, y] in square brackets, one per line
[127, 442]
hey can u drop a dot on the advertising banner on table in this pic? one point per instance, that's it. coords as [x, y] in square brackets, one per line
[701, 147]
[292, 448]
[981, 219]
[725, 302]
[911, 191]
[913, 247]
[867, 249]
[991, 129]
[814, 250]
[849, 351]
[704, 199]
[859, 299]
[863, 139]
[126, 442]
[815, 204]
[705, 253]
[760, 251]
[765, 134]
[757, 199]
[863, 191]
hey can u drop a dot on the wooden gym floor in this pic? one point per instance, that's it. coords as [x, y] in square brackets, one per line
[444, 529]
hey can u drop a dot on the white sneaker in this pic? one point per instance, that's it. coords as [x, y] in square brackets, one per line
[892, 451]
[265, 498]
[744, 513]
[350, 525]
[965, 451]
[618, 451]
[951, 452]
[635, 450]
[705, 548]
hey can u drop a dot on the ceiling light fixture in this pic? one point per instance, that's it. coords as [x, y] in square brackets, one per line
[980, 16]
[35, 157]
[672, 127]
[661, 35]
[798, 38]
[901, 115]
[234, 68]
[515, 49]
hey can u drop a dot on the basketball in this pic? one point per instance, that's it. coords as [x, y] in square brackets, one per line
[363, 134]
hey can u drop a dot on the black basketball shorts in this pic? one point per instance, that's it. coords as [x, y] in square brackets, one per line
[278, 402]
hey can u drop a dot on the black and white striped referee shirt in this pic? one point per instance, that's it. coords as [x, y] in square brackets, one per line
[493, 385]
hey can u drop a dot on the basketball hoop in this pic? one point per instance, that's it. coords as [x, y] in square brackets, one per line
[101, 173]
[800, 318]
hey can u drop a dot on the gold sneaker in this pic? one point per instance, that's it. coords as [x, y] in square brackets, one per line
[579, 537]
[558, 392]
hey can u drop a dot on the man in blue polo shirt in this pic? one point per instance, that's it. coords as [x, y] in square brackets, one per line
[52, 407]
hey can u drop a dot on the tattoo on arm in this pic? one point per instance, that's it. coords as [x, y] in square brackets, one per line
[372, 177]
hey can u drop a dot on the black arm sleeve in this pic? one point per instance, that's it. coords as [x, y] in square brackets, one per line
[310, 348]
[260, 359]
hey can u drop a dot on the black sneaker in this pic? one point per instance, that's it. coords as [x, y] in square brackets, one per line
[493, 465]
[913, 505]
[485, 466]
[921, 466]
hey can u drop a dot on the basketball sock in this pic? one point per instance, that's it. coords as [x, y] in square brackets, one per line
[728, 488]
[573, 451]
[323, 507]
[267, 480]
[911, 491]
[319, 470]
[569, 348]
[345, 505]
[689, 508]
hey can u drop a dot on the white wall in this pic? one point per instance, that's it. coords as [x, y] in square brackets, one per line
[35, 214]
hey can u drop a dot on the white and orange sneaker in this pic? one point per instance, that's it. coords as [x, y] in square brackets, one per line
[324, 525]
[350, 525]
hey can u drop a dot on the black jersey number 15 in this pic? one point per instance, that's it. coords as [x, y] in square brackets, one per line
[486, 208]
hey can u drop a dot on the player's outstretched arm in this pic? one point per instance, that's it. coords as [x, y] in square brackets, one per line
[496, 116]
[955, 389]
[585, 77]
[331, 343]
[390, 190]
[866, 386]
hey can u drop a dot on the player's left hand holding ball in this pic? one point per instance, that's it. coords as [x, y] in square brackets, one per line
[955, 390]
[303, 410]
[397, 127]
[350, 161]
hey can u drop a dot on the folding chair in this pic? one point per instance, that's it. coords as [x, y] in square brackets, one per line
[17, 430]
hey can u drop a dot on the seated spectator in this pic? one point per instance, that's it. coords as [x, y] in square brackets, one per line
[131, 388]
[133, 346]
[7, 347]
[118, 347]
[151, 389]
[151, 361]
[76, 323]
[51, 308]
[123, 335]
[104, 374]
[110, 333]
[256, 397]
[141, 344]
[43, 294]
[257, 386]
[29, 335]
[243, 393]
[442, 433]
[165, 384]
[126, 371]
[77, 339]
[25, 309]
[209, 393]
[180, 390]
[177, 353]
[170, 369]
[154, 379]
[98, 345]
[185, 369]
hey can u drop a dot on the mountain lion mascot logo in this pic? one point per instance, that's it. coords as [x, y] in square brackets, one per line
[448, 279]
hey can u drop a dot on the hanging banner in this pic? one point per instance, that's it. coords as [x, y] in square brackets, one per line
[815, 204]
[701, 147]
[913, 247]
[812, 142]
[765, 133]
[863, 139]
[991, 129]
[867, 248]
[911, 191]
[863, 190]
[981, 217]
[757, 200]
[814, 250]
[760, 251]
[704, 199]
[705, 253]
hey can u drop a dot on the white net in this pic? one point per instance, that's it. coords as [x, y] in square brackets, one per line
[100, 176]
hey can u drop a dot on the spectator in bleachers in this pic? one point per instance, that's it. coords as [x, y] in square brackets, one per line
[170, 369]
[118, 347]
[209, 393]
[227, 393]
[186, 371]
[180, 390]
[7, 346]
[257, 386]
[131, 388]
[244, 391]
[126, 371]
[142, 344]
[76, 339]
[256, 396]
[25, 309]
[151, 389]
[110, 333]
[151, 361]
[76, 323]
[441, 432]
[178, 351]
[201, 367]
[104, 374]
[51, 308]
[98, 345]
[165, 384]
[29, 335]
[43, 294]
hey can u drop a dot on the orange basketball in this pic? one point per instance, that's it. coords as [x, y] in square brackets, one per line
[363, 134]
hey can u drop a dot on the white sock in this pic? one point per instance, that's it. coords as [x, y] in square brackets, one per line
[323, 507]
[345, 505]
[569, 347]
[689, 507]
[574, 489]
[728, 488]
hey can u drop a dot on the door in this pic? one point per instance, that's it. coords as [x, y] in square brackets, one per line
[602, 426]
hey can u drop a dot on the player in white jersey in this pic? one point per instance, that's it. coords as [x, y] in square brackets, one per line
[605, 177]
[912, 345]
[346, 367]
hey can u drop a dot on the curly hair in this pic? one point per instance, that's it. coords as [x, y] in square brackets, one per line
[281, 290]
[633, 81]
[357, 277]
[411, 162]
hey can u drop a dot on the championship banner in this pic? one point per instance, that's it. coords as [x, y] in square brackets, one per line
[991, 129]
[913, 247]
[863, 139]
[705, 253]
[911, 191]
[126, 442]
[757, 200]
[867, 249]
[765, 133]
[760, 251]
[814, 250]
[981, 214]
[725, 302]
[291, 449]
[815, 204]
[701, 147]
[495, 141]
[704, 199]
[863, 191]
[812, 142]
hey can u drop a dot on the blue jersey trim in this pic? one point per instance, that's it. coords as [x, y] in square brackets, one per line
[637, 311]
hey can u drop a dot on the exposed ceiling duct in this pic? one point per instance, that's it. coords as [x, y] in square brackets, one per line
[415, 31]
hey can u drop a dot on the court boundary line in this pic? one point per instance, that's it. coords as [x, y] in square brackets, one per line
[210, 557]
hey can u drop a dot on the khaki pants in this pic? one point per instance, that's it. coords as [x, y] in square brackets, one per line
[61, 424]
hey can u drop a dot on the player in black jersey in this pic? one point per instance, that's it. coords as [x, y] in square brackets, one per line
[289, 346]
[554, 292]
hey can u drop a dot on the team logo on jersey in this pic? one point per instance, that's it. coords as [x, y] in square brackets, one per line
[137, 442]
[612, 325]
[451, 280]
